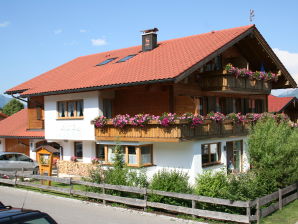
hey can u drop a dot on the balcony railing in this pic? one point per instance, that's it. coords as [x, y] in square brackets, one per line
[221, 81]
[177, 132]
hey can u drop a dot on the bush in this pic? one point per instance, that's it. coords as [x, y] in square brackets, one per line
[273, 154]
[170, 181]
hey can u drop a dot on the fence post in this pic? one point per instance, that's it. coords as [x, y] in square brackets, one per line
[145, 199]
[280, 199]
[103, 192]
[248, 211]
[15, 178]
[193, 206]
[71, 186]
[258, 212]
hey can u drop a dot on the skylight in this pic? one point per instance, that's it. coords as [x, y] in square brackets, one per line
[126, 58]
[106, 61]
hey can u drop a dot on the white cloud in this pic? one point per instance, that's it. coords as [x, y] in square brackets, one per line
[58, 31]
[83, 31]
[71, 43]
[290, 60]
[98, 42]
[4, 24]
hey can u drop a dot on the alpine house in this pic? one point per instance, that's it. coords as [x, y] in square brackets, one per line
[171, 104]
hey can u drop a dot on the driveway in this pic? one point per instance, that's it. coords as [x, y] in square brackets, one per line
[72, 211]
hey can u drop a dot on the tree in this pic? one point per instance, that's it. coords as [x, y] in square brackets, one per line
[273, 153]
[12, 107]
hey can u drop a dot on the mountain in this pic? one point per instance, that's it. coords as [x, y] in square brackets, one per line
[293, 92]
[4, 100]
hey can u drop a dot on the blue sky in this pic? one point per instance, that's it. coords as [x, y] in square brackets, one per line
[36, 36]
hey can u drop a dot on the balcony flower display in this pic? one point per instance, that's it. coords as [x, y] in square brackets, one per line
[166, 119]
[193, 120]
[101, 121]
[243, 72]
[121, 120]
[140, 120]
[236, 117]
[215, 116]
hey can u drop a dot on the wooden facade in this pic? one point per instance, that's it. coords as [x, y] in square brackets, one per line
[17, 145]
[36, 112]
[153, 132]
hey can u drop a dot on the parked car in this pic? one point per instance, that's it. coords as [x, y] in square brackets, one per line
[9, 215]
[14, 161]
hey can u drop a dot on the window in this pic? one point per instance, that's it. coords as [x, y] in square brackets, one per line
[136, 156]
[100, 151]
[211, 154]
[23, 158]
[78, 150]
[126, 58]
[106, 61]
[107, 108]
[70, 109]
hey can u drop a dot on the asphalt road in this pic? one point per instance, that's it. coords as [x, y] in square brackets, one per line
[72, 211]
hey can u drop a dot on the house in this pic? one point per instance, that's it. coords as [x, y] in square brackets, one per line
[16, 137]
[174, 76]
[287, 105]
[2, 116]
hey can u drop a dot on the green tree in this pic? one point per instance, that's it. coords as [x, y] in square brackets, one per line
[12, 107]
[273, 153]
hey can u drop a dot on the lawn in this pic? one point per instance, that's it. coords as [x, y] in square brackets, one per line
[288, 215]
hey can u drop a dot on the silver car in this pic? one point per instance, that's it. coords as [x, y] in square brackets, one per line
[14, 161]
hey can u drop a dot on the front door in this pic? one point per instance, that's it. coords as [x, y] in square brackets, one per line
[234, 156]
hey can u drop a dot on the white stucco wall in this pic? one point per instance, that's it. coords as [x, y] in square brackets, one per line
[71, 129]
[2, 145]
[184, 156]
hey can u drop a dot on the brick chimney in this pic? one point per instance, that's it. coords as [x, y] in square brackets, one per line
[149, 39]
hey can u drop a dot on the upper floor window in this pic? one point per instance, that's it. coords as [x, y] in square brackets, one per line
[70, 109]
[107, 108]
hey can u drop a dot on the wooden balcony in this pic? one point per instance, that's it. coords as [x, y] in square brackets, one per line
[220, 81]
[178, 132]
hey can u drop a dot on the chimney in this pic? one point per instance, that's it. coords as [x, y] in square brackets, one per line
[149, 39]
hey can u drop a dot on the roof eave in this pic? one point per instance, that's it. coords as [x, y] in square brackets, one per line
[94, 88]
[22, 137]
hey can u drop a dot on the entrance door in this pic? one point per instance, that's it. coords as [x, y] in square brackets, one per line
[234, 156]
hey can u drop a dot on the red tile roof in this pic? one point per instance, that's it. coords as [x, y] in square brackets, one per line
[276, 104]
[166, 62]
[16, 126]
[3, 115]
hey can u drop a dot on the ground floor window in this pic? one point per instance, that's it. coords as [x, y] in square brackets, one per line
[211, 154]
[100, 152]
[78, 150]
[136, 156]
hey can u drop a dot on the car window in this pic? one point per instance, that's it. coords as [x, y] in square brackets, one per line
[10, 157]
[23, 158]
[3, 157]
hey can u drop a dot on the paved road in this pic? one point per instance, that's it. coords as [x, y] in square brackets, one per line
[72, 211]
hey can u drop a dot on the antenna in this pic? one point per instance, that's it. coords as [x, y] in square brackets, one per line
[251, 15]
[24, 200]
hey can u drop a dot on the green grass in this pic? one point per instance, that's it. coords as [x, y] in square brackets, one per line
[288, 215]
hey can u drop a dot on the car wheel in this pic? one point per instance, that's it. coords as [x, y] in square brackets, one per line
[36, 171]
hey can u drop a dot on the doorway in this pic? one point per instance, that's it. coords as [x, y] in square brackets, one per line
[234, 156]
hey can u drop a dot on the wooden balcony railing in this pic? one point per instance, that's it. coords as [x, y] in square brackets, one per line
[177, 132]
[221, 81]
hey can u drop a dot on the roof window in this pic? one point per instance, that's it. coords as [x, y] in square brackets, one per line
[126, 58]
[106, 61]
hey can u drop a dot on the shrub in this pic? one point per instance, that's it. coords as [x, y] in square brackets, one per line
[170, 181]
[273, 153]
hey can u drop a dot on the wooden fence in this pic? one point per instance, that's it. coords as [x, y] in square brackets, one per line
[261, 207]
